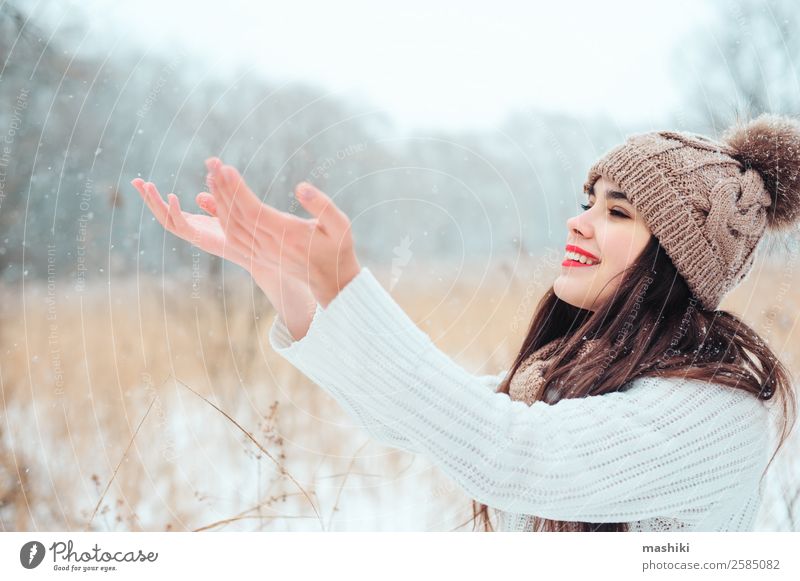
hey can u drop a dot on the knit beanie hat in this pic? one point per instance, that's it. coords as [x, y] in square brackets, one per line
[709, 202]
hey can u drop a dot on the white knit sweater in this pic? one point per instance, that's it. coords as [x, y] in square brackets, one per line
[661, 454]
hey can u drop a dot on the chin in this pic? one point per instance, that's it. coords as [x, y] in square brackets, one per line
[573, 298]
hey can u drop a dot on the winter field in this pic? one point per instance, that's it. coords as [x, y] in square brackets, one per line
[152, 405]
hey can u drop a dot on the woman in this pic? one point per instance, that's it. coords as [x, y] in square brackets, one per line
[633, 403]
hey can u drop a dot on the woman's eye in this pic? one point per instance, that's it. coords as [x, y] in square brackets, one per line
[612, 212]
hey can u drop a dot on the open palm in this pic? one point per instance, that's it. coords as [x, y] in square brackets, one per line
[204, 232]
[290, 296]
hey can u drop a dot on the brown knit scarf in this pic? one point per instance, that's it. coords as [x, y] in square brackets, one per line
[526, 383]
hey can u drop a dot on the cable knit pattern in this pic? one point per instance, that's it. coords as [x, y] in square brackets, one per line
[660, 454]
[707, 210]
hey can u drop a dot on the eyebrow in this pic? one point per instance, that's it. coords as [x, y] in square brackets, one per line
[613, 194]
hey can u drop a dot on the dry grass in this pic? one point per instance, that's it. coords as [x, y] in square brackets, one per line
[138, 407]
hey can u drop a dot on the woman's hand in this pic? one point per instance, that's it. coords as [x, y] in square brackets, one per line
[319, 251]
[291, 297]
[205, 232]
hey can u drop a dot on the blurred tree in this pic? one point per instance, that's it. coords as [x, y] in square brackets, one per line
[746, 63]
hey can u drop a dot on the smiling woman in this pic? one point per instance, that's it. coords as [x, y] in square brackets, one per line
[633, 402]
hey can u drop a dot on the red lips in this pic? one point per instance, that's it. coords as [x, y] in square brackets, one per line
[579, 250]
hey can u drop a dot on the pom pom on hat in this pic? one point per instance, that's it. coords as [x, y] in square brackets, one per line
[770, 144]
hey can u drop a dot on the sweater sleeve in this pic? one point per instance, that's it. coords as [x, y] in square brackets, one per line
[658, 446]
[284, 343]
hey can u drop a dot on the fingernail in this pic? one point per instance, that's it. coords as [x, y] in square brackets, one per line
[306, 192]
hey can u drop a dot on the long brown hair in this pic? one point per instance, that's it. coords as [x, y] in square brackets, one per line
[651, 326]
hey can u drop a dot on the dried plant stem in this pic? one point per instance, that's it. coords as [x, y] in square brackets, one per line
[116, 469]
[281, 468]
[346, 475]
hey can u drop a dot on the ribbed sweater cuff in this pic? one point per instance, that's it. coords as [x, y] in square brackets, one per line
[361, 316]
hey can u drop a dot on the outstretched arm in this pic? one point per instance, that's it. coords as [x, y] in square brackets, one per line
[659, 447]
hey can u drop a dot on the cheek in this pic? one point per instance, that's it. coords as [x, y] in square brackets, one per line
[620, 249]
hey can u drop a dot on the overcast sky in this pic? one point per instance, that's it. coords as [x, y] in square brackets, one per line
[447, 64]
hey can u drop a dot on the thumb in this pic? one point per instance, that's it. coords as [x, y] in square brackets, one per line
[319, 205]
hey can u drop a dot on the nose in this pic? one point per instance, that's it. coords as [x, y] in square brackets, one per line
[580, 225]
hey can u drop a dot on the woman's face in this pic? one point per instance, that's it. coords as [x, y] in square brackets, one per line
[612, 231]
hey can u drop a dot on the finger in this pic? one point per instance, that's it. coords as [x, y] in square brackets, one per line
[177, 218]
[212, 162]
[243, 201]
[234, 232]
[216, 184]
[207, 203]
[156, 203]
[138, 183]
[214, 178]
[319, 205]
[144, 190]
[221, 193]
[245, 209]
